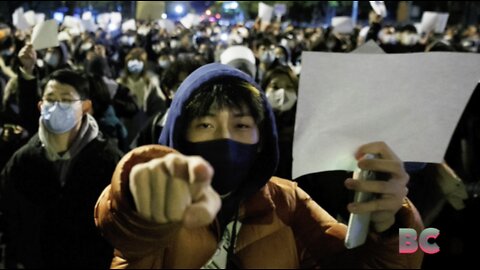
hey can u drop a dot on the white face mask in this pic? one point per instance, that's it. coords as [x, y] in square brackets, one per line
[267, 57]
[135, 66]
[164, 64]
[127, 40]
[281, 100]
[86, 46]
[409, 39]
[60, 117]
[387, 38]
[52, 59]
[174, 44]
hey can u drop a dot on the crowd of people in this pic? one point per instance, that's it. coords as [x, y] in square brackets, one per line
[115, 121]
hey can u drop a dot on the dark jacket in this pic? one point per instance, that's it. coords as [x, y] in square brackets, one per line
[50, 226]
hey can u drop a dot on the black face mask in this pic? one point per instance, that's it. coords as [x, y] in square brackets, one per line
[230, 160]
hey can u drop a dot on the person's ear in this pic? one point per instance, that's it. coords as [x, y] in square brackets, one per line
[39, 105]
[86, 106]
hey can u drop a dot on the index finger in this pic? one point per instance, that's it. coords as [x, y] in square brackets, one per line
[192, 169]
[199, 170]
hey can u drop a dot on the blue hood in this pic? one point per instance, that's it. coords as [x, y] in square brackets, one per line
[174, 130]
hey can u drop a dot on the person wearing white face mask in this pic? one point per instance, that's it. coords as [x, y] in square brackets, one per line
[145, 89]
[282, 99]
[281, 86]
[409, 40]
[164, 62]
[57, 58]
[50, 185]
[265, 55]
[52, 58]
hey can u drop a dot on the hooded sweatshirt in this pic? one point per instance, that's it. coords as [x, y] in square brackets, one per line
[88, 131]
[267, 159]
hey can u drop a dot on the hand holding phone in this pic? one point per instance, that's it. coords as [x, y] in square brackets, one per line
[386, 197]
[358, 224]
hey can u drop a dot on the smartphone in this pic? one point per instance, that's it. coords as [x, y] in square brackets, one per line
[358, 224]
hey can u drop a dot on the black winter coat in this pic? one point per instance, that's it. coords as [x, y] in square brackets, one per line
[50, 226]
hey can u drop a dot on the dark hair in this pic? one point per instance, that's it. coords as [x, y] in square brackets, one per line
[135, 54]
[170, 75]
[230, 93]
[72, 78]
[286, 52]
[99, 95]
[278, 70]
[409, 28]
[99, 66]
[267, 41]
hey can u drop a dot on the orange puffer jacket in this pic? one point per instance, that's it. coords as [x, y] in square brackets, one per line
[282, 227]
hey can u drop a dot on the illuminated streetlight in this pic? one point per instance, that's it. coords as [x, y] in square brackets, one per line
[58, 16]
[179, 9]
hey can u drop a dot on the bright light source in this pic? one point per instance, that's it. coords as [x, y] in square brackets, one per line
[87, 15]
[218, 16]
[234, 5]
[164, 16]
[208, 12]
[58, 16]
[179, 9]
[224, 36]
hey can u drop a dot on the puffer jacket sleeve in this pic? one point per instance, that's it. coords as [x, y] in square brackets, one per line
[321, 238]
[117, 219]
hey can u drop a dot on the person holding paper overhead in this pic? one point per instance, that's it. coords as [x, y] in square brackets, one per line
[206, 196]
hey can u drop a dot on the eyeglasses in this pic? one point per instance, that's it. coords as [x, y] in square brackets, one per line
[62, 103]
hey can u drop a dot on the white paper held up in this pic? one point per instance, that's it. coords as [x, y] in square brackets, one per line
[45, 35]
[129, 25]
[379, 8]
[150, 10]
[30, 17]
[342, 24]
[265, 12]
[19, 20]
[168, 25]
[410, 101]
[433, 21]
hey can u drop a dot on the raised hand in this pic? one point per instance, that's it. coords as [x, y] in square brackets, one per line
[391, 192]
[175, 188]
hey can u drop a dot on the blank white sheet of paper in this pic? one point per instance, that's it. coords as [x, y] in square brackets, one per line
[411, 101]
